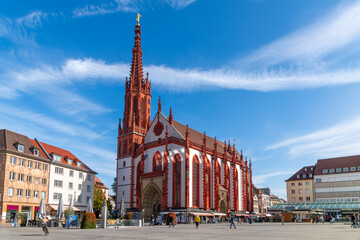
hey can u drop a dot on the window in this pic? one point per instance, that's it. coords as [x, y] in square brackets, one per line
[308, 199]
[57, 196]
[87, 199]
[70, 197]
[293, 199]
[19, 192]
[79, 199]
[305, 169]
[88, 188]
[36, 194]
[307, 183]
[157, 162]
[22, 162]
[312, 169]
[300, 183]
[325, 171]
[43, 181]
[11, 192]
[79, 164]
[80, 175]
[307, 191]
[37, 165]
[21, 177]
[37, 180]
[36, 152]
[89, 177]
[298, 176]
[358, 168]
[30, 164]
[293, 191]
[28, 193]
[71, 173]
[70, 185]
[13, 160]
[292, 184]
[177, 182]
[58, 183]
[45, 166]
[304, 175]
[300, 191]
[301, 199]
[28, 178]
[352, 168]
[345, 169]
[69, 161]
[338, 170]
[12, 176]
[123, 193]
[124, 164]
[20, 148]
[59, 170]
[57, 158]
[332, 170]
[195, 187]
[310, 175]
[123, 178]
[79, 187]
[318, 180]
[43, 195]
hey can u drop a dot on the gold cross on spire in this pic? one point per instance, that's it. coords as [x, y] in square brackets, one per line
[138, 19]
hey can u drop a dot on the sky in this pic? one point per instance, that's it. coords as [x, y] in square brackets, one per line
[281, 77]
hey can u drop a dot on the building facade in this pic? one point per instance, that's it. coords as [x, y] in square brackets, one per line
[101, 185]
[163, 164]
[24, 175]
[300, 186]
[338, 179]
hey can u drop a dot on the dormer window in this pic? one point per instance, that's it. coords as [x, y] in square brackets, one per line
[36, 152]
[57, 158]
[79, 164]
[20, 148]
[69, 161]
[305, 169]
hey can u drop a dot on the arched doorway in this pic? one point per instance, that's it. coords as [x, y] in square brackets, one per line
[223, 207]
[151, 201]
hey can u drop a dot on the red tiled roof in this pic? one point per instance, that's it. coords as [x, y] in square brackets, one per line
[305, 170]
[339, 162]
[65, 154]
[37, 146]
[100, 183]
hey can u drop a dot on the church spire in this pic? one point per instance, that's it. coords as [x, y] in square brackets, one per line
[136, 72]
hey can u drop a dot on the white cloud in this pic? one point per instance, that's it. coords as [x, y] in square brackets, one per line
[261, 179]
[336, 30]
[338, 140]
[33, 19]
[126, 6]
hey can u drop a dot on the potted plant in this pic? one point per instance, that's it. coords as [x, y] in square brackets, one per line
[23, 218]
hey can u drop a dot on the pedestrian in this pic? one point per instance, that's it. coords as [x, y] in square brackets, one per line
[232, 222]
[15, 222]
[356, 221]
[152, 220]
[239, 220]
[171, 221]
[197, 221]
[331, 220]
[44, 225]
[160, 219]
[282, 219]
[353, 220]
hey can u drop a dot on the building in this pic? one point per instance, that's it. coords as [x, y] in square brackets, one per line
[101, 185]
[70, 179]
[299, 187]
[338, 179]
[275, 200]
[24, 175]
[163, 164]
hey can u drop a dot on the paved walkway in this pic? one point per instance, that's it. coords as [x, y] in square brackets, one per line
[262, 231]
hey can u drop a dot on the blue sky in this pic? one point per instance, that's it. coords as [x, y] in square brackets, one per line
[282, 77]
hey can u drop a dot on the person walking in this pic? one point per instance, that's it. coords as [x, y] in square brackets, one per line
[232, 222]
[44, 225]
[331, 220]
[171, 221]
[197, 221]
[152, 220]
[15, 222]
[353, 220]
[282, 219]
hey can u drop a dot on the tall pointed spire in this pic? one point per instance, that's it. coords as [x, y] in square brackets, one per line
[136, 72]
[171, 118]
[159, 105]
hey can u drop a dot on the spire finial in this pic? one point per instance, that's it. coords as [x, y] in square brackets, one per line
[159, 105]
[138, 19]
[171, 118]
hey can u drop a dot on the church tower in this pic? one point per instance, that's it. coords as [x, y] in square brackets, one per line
[137, 103]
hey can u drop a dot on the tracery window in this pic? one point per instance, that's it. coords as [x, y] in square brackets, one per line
[157, 162]
[195, 179]
[177, 180]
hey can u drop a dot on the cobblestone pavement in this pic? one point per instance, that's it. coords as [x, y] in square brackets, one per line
[263, 231]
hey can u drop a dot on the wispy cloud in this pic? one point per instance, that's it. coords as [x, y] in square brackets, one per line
[33, 19]
[261, 179]
[126, 6]
[338, 140]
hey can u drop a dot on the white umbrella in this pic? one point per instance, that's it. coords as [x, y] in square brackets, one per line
[89, 206]
[42, 212]
[60, 211]
[70, 205]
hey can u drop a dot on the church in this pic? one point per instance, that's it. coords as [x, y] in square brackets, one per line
[164, 165]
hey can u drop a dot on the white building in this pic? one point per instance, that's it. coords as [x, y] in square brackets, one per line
[69, 178]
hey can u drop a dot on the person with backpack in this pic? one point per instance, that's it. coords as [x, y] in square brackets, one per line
[197, 221]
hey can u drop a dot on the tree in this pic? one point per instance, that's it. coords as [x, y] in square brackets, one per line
[113, 186]
[99, 197]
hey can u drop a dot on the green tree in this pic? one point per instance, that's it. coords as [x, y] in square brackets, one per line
[99, 197]
[113, 186]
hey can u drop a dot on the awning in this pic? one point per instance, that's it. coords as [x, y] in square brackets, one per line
[53, 206]
[242, 215]
[161, 213]
[79, 209]
[219, 214]
[202, 214]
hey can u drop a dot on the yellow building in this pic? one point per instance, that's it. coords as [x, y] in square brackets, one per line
[24, 175]
[300, 186]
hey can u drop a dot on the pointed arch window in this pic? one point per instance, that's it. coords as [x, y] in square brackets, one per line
[195, 178]
[177, 181]
[157, 162]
